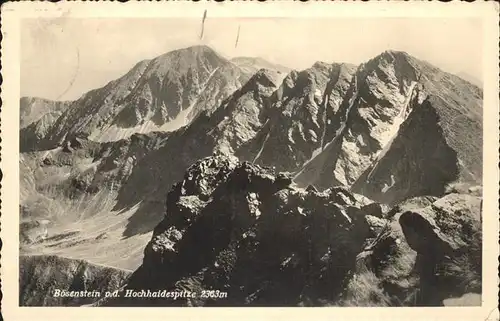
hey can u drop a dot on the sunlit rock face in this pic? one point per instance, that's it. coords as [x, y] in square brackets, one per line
[406, 129]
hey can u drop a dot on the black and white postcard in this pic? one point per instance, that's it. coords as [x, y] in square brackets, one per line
[244, 156]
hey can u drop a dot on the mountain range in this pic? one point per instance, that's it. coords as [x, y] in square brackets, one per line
[241, 145]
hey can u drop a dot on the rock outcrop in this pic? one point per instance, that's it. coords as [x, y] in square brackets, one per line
[242, 229]
[245, 230]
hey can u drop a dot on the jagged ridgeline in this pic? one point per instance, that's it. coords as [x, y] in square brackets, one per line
[335, 185]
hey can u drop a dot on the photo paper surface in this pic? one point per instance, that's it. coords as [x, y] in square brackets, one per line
[241, 156]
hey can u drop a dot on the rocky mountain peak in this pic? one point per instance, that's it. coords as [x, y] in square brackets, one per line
[196, 49]
[191, 52]
[395, 53]
[239, 119]
[202, 56]
[300, 115]
[161, 94]
[387, 94]
[392, 67]
[314, 79]
[390, 57]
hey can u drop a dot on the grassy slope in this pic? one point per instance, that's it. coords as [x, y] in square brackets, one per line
[84, 227]
[40, 276]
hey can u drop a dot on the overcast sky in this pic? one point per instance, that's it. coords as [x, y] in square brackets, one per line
[64, 58]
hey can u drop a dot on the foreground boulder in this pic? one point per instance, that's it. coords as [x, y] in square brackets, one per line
[447, 238]
[428, 254]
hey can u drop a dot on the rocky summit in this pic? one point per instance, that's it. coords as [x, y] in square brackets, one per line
[245, 230]
[337, 185]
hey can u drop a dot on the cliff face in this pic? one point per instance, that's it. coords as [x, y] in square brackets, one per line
[370, 114]
[411, 167]
[301, 112]
[438, 145]
[427, 122]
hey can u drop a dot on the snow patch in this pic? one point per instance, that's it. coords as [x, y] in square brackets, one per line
[263, 144]
[343, 212]
[290, 138]
[287, 260]
[301, 131]
[387, 187]
[313, 135]
[361, 140]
